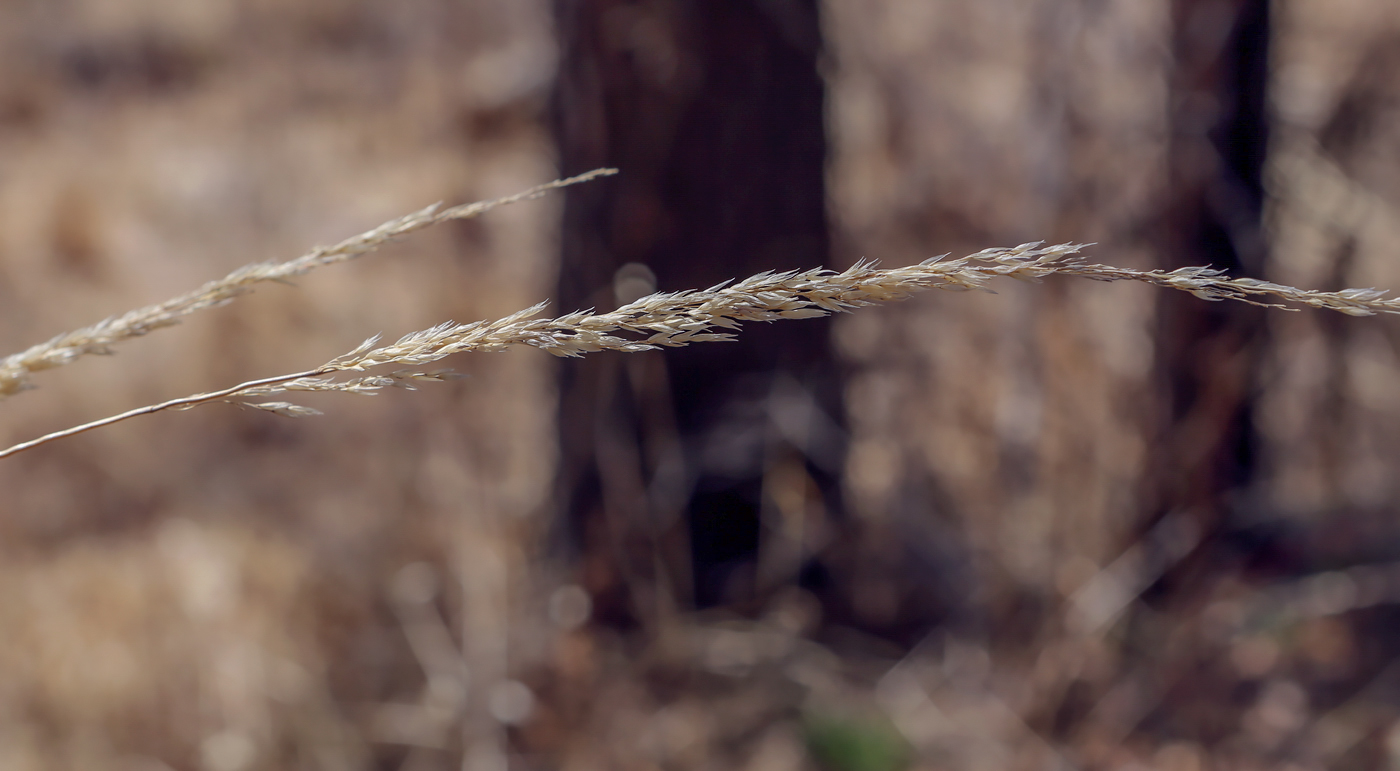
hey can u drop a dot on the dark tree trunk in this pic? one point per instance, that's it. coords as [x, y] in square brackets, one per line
[713, 111]
[1209, 354]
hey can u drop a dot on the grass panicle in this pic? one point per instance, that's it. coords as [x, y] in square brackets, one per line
[673, 319]
[99, 338]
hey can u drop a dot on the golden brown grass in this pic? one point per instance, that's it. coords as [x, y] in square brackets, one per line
[665, 319]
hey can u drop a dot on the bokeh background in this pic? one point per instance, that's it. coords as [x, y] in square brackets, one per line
[1067, 525]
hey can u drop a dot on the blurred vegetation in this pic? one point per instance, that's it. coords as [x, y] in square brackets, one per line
[1066, 525]
[839, 744]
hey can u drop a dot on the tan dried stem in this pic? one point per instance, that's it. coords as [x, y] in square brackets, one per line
[680, 318]
[15, 370]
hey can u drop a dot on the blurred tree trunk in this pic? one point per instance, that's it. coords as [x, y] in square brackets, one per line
[1208, 355]
[671, 462]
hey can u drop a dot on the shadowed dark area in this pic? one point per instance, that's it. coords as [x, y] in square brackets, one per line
[715, 113]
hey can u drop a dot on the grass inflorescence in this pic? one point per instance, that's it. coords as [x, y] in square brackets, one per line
[661, 320]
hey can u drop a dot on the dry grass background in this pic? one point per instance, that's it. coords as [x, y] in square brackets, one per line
[203, 592]
[224, 590]
[1037, 420]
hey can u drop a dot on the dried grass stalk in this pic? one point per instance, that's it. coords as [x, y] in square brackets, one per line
[15, 370]
[702, 315]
